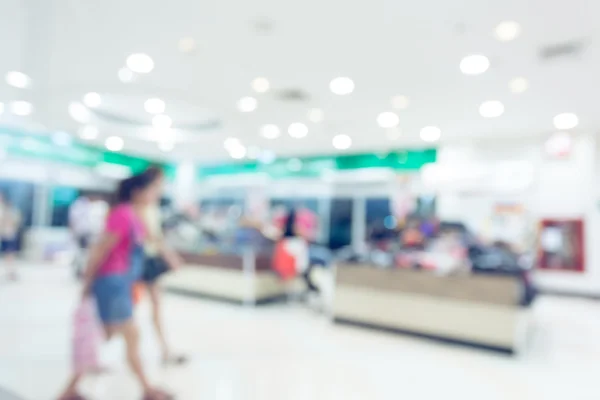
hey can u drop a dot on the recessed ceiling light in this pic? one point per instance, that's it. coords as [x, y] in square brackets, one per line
[431, 134]
[92, 100]
[154, 106]
[126, 75]
[342, 142]
[388, 120]
[566, 121]
[79, 112]
[507, 31]
[518, 85]
[237, 152]
[62, 139]
[342, 86]
[247, 104]
[162, 121]
[260, 85]
[231, 143]
[270, 131]
[88, 132]
[186, 44]
[297, 130]
[166, 145]
[491, 109]
[474, 64]
[20, 108]
[294, 164]
[140, 63]
[316, 115]
[400, 102]
[114, 143]
[18, 79]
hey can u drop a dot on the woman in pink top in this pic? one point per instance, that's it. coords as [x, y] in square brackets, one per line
[115, 263]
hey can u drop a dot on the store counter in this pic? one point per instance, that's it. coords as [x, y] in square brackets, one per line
[245, 278]
[478, 310]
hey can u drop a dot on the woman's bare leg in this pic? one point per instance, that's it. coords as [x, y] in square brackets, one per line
[154, 291]
[132, 339]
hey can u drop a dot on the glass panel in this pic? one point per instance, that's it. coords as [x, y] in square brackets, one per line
[340, 227]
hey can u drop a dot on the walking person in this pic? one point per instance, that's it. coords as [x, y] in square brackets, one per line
[10, 226]
[114, 264]
[159, 259]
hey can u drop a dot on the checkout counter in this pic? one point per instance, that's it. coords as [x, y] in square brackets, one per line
[478, 310]
[245, 277]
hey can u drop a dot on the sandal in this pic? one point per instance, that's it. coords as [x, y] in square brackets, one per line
[157, 394]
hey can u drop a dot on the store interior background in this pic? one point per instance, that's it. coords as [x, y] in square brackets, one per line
[246, 117]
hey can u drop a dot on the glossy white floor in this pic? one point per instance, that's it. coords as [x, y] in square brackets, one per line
[287, 352]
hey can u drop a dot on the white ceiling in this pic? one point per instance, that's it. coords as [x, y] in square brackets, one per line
[388, 47]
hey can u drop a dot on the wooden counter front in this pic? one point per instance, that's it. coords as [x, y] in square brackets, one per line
[478, 310]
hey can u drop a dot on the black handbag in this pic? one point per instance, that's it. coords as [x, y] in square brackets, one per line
[154, 267]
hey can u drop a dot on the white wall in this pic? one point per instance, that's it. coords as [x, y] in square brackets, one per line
[560, 188]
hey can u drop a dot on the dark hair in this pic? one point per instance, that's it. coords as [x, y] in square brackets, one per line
[290, 224]
[129, 186]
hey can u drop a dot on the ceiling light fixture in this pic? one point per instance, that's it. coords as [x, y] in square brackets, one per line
[260, 85]
[507, 31]
[270, 131]
[114, 143]
[297, 130]
[342, 86]
[474, 64]
[154, 106]
[430, 134]
[566, 121]
[17, 79]
[388, 120]
[79, 112]
[140, 63]
[247, 104]
[491, 109]
[126, 75]
[316, 115]
[400, 102]
[92, 100]
[186, 45]
[162, 121]
[342, 142]
[231, 143]
[20, 108]
[237, 152]
[518, 85]
[88, 132]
